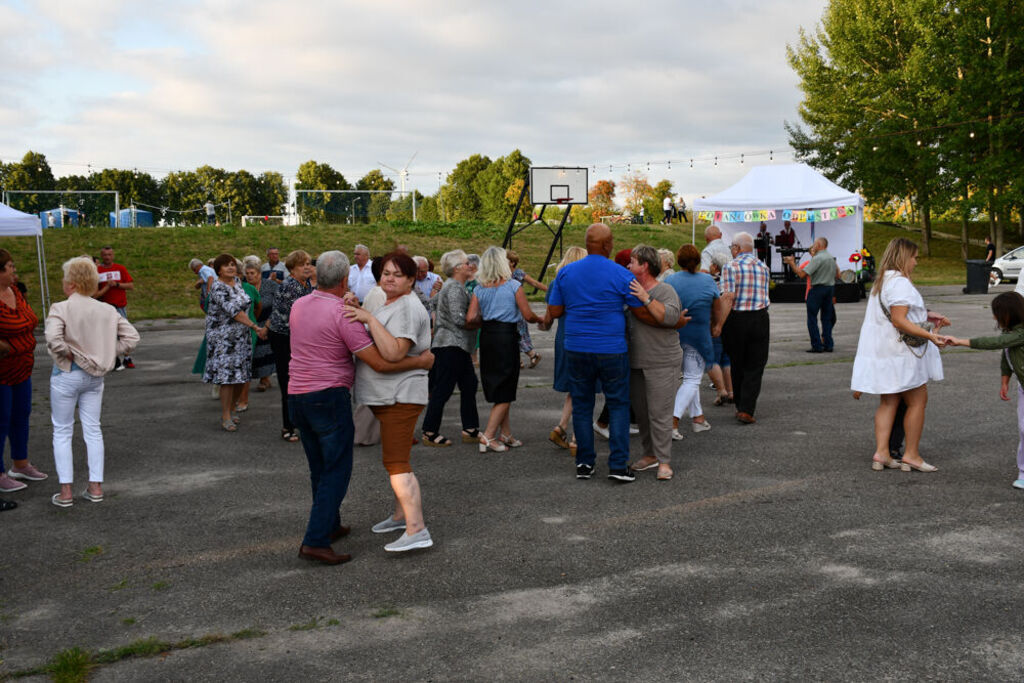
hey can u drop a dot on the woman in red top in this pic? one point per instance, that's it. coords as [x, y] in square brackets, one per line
[17, 322]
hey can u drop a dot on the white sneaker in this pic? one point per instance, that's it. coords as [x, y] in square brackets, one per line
[676, 435]
[420, 539]
[701, 426]
[601, 431]
[388, 525]
[634, 429]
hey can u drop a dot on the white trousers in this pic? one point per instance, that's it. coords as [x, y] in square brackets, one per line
[68, 389]
[688, 395]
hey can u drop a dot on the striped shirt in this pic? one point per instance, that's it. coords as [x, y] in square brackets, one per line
[747, 278]
[16, 328]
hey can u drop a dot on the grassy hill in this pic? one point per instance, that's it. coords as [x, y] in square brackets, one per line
[158, 257]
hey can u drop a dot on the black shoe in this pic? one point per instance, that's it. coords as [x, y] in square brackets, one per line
[584, 471]
[624, 475]
[814, 351]
[7, 504]
[828, 350]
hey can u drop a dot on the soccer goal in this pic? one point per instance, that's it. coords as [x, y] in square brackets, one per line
[262, 220]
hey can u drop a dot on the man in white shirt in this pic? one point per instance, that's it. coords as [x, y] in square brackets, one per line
[427, 283]
[666, 206]
[716, 254]
[274, 267]
[360, 277]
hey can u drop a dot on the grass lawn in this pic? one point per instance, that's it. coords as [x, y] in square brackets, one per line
[158, 257]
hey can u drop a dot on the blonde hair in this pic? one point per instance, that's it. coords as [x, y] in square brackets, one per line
[82, 273]
[896, 257]
[572, 255]
[493, 266]
[297, 258]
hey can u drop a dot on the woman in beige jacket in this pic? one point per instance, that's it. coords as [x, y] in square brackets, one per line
[83, 336]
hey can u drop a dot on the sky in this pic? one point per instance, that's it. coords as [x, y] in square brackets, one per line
[265, 85]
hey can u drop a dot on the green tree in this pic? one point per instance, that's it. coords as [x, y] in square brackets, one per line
[317, 207]
[458, 194]
[492, 186]
[272, 194]
[373, 205]
[32, 173]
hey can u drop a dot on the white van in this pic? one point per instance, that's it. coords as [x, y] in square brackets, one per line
[1007, 266]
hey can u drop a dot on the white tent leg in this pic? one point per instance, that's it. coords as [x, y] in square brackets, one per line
[693, 226]
[44, 282]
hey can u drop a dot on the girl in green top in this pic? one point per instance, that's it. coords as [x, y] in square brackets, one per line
[1008, 310]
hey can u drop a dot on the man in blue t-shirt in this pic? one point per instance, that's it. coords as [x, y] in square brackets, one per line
[592, 295]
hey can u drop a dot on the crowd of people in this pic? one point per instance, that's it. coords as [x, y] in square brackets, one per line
[361, 350]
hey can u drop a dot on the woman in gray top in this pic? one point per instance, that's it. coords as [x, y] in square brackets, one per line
[453, 363]
[654, 360]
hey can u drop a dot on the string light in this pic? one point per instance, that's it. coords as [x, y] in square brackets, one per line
[716, 162]
[771, 156]
[741, 158]
[669, 166]
[691, 163]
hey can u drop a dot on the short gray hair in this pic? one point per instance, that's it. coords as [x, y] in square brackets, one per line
[363, 247]
[193, 263]
[474, 260]
[421, 261]
[251, 261]
[452, 260]
[743, 240]
[331, 269]
[645, 254]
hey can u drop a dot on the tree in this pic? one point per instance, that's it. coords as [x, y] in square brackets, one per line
[635, 189]
[458, 195]
[316, 207]
[375, 205]
[271, 194]
[492, 186]
[32, 173]
[601, 198]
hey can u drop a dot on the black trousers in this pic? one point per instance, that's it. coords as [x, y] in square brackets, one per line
[745, 338]
[452, 366]
[281, 344]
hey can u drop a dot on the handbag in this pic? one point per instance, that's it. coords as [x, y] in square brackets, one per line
[911, 340]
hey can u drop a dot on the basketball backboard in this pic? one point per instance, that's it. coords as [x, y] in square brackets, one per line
[558, 185]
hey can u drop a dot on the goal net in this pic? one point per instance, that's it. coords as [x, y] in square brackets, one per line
[343, 207]
[262, 220]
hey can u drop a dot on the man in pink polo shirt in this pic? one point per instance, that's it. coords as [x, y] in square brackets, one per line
[322, 371]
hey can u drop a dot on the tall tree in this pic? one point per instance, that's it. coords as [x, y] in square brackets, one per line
[271, 194]
[32, 173]
[635, 188]
[493, 183]
[458, 195]
[321, 207]
[601, 198]
[373, 206]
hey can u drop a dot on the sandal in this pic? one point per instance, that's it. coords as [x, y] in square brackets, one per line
[559, 437]
[229, 426]
[289, 435]
[471, 435]
[235, 418]
[511, 441]
[436, 440]
[241, 407]
[491, 444]
[535, 360]
[722, 399]
[572, 448]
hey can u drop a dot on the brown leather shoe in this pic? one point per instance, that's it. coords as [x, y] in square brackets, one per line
[341, 532]
[324, 555]
[745, 418]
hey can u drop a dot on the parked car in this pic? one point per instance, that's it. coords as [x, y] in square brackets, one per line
[1007, 266]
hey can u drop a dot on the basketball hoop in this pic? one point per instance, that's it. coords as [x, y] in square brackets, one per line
[563, 200]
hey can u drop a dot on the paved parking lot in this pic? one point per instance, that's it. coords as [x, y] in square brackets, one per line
[774, 553]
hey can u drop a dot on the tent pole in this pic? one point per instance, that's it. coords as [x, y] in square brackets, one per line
[693, 226]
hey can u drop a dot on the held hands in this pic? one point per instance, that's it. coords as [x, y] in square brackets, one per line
[949, 340]
[262, 332]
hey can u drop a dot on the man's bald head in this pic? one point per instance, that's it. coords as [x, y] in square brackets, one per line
[711, 233]
[599, 240]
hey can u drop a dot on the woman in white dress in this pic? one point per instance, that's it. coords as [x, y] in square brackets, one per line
[889, 367]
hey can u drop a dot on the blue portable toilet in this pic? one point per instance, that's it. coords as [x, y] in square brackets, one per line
[62, 218]
[133, 218]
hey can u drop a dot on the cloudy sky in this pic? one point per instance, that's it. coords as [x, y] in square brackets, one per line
[268, 84]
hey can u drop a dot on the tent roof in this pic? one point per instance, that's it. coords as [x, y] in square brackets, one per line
[14, 222]
[780, 186]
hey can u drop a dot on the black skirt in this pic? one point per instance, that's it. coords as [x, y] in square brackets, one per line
[499, 361]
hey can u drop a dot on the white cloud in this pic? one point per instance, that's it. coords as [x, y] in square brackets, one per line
[267, 85]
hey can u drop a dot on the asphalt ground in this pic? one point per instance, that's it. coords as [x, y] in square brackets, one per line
[775, 552]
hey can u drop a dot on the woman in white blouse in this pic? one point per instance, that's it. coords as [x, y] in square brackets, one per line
[887, 366]
[83, 336]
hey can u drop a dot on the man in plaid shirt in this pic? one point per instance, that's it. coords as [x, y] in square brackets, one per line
[745, 330]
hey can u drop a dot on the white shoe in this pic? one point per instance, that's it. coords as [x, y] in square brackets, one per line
[420, 539]
[676, 435]
[601, 431]
[701, 426]
[634, 429]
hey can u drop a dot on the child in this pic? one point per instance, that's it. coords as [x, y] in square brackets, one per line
[1008, 310]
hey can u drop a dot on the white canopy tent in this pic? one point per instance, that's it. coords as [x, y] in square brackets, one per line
[780, 192]
[15, 223]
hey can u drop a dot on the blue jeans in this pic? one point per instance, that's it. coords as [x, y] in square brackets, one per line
[15, 407]
[324, 420]
[819, 300]
[612, 370]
